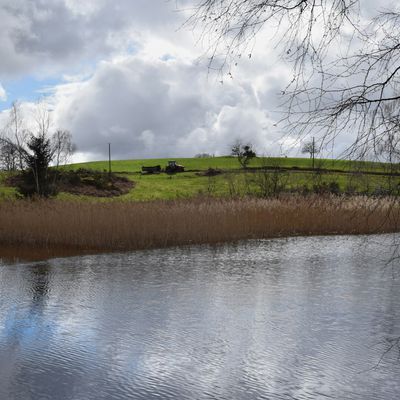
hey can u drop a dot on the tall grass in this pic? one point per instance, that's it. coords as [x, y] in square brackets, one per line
[128, 226]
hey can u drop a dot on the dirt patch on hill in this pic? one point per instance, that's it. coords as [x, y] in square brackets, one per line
[94, 183]
[117, 187]
[210, 172]
[84, 182]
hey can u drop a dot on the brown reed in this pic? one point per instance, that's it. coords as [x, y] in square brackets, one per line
[116, 226]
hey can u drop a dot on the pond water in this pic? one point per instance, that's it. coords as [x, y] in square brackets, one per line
[302, 318]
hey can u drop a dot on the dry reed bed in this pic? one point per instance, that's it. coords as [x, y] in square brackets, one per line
[128, 226]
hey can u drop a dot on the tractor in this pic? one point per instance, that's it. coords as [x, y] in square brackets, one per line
[173, 167]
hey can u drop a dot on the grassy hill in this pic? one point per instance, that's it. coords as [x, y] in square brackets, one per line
[292, 174]
[230, 162]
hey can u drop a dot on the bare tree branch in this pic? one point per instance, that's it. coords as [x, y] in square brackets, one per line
[345, 72]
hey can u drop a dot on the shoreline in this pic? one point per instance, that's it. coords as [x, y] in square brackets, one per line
[14, 255]
[39, 230]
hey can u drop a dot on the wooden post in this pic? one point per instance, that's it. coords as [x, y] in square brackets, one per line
[313, 152]
[109, 159]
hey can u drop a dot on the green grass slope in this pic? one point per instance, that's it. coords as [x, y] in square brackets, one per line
[229, 162]
[232, 181]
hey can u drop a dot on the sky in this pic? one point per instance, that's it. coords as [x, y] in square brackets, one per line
[127, 72]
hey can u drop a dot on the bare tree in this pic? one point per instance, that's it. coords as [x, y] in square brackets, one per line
[15, 137]
[9, 157]
[42, 118]
[271, 179]
[310, 148]
[62, 147]
[17, 133]
[345, 71]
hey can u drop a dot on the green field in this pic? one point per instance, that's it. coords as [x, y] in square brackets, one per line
[230, 162]
[296, 175]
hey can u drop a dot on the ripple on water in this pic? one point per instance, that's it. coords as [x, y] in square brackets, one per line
[302, 318]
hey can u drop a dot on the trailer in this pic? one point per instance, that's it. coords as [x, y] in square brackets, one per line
[151, 170]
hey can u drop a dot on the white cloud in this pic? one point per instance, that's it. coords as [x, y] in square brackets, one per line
[3, 94]
[58, 36]
[133, 78]
[147, 107]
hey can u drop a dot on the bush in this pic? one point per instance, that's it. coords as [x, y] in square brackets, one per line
[325, 187]
[27, 187]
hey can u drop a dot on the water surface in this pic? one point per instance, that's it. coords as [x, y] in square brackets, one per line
[303, 318]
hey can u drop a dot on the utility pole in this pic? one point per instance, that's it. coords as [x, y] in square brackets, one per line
[109, 159]
[313, 152]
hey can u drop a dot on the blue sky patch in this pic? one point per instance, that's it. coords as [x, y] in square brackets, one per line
[26, 89]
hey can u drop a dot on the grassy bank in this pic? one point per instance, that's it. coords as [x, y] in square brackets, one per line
[264, 174]
[264, 177]
[113, 226]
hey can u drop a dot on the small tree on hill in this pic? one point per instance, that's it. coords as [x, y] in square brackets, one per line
[32, 153]
[310, 148]
[38, 161]
[243, 152]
